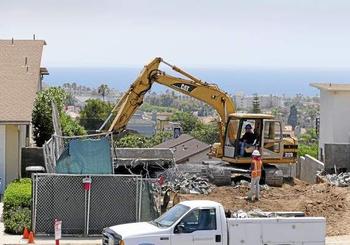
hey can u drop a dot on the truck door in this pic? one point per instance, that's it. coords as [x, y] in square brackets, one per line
[272, 140]
[184, 229]
[209, 230]
[231, 141]
[199, 227]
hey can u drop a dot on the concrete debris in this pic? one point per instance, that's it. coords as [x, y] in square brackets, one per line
[340, 180]
[245, 183]
[187, 183]
[257, 213]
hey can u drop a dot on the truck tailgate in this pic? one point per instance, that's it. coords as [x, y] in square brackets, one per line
[301, 230]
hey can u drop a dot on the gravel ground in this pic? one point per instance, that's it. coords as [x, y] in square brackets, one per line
[315, 200]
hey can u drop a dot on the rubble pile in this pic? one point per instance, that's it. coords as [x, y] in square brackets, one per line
[186, 183]
[340, 180]
[258, 213]
[245, 183]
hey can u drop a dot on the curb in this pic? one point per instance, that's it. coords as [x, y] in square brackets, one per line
[62, 242]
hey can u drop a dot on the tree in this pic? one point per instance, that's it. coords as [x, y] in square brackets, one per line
[132, 141]
[160, 137]
[140, 141]
[103, 90]
[256, 104]
[70, 127]
[70, 100]
[187, 121]
[293, 116]
[94, 113]
[308, 143]
[208, 133]
[42, 116]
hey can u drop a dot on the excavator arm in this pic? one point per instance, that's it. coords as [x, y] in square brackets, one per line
[191, 86]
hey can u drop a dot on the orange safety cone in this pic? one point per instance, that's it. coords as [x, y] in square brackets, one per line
[31, 237]
[25, 233]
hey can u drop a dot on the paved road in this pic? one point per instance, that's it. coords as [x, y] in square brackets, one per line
[338, 240]
[11, 239]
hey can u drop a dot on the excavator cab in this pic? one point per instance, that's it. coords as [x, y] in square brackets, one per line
[247, 132]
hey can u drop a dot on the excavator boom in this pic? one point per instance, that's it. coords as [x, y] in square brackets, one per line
[203, 91]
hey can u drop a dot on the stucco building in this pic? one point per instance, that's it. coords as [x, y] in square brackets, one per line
[334, 115]
[20, 80]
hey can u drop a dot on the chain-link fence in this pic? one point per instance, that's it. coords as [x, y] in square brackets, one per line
[57, 145]
[151, 199]
[86, 209]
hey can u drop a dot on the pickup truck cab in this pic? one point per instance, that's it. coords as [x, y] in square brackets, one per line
[205, 223]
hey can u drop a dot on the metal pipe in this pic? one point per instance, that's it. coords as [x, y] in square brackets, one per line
[88, 212]
[140, 200]
[177, 69]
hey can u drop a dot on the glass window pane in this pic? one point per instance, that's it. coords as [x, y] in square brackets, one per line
[170, 217]
[232, 129]
[207, 219]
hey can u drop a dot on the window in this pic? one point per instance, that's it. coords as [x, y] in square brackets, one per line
[170, 217]
[272, 136]
[232, 129]
[199, 219]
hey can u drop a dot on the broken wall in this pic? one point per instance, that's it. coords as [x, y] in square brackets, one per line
[337, 155]
[308, 167]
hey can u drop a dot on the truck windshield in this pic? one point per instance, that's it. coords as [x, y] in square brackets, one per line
[170, 217]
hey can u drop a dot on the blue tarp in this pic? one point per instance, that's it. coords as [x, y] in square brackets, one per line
[86, 156]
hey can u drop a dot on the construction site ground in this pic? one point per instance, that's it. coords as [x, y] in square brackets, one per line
[322, 199]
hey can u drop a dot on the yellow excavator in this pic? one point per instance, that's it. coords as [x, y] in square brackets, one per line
[231, 125]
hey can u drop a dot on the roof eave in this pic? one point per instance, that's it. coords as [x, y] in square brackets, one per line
[15, 122]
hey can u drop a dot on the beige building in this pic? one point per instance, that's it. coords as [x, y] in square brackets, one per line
[20, 80]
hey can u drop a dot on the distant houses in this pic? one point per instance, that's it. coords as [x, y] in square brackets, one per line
[142, 125]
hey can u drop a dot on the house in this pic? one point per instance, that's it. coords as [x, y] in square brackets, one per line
[187, 149]
[141, 125]
[334, 119]
[20, 80]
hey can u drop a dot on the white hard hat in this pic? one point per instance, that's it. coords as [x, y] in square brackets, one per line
[256, 153]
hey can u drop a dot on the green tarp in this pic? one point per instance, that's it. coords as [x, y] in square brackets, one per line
[86, 156]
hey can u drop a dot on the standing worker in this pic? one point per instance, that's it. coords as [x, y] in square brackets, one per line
[255, 176]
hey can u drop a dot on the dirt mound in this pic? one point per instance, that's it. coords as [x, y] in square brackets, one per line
[315, 200]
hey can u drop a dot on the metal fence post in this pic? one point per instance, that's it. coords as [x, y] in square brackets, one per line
[34, 201]
[140, 200]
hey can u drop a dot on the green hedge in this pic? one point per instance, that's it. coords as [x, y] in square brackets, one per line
[17, 206]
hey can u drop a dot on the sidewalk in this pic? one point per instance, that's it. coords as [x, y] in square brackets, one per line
[338, 240]
[6, 239]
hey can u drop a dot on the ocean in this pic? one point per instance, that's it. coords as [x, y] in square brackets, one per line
[287, 82]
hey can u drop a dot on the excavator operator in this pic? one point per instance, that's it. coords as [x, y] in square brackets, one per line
[247, 139]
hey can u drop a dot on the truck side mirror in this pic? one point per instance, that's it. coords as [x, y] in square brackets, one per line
[180, 228]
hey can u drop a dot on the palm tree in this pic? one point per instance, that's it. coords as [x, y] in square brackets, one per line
[103, 90]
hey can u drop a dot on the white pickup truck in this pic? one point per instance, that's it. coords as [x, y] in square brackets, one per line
[205, 223]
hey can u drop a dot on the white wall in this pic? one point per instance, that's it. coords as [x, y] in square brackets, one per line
[308, 168]
[2, 157]
[334, 117]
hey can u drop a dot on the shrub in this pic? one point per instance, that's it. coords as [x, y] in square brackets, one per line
[17, 206]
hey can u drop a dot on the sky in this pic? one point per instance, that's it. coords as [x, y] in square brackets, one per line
[190, 33]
